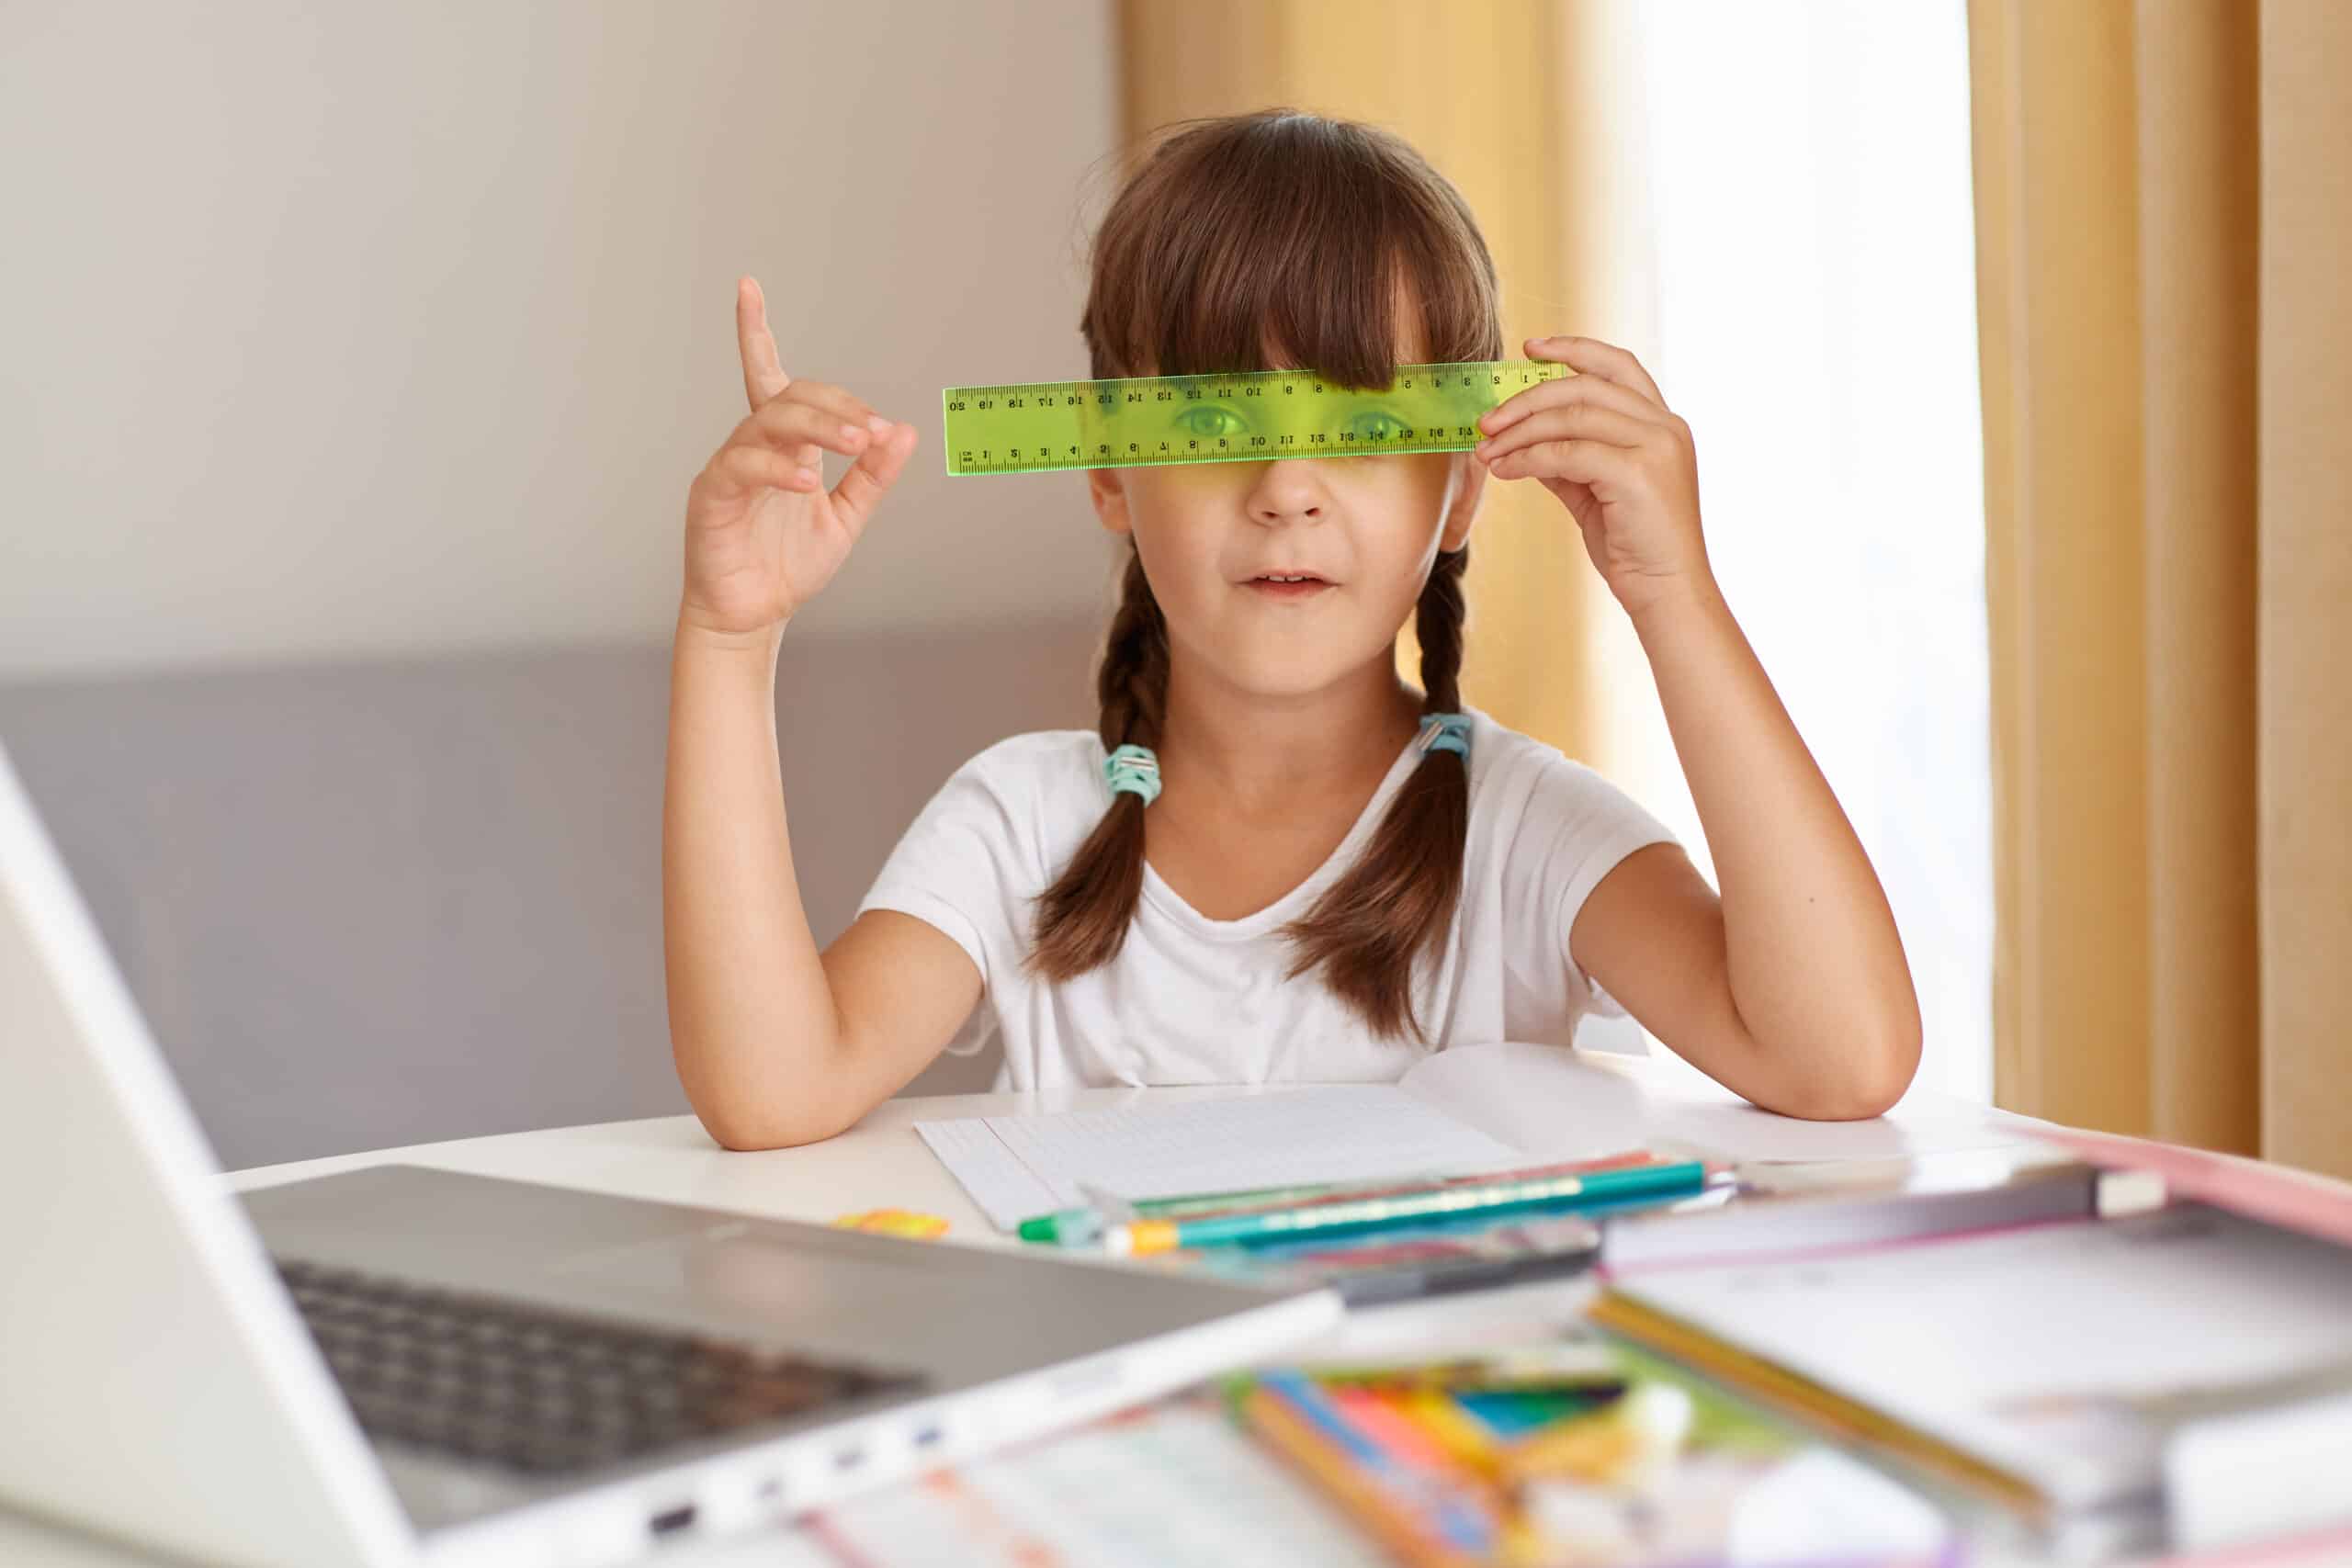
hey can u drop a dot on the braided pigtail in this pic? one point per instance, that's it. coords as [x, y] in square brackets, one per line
[1396, 904]
[1082, 919]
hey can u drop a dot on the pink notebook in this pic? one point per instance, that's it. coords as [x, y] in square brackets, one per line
[2296, 1200]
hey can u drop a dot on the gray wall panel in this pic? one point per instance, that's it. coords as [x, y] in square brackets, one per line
[372, 903]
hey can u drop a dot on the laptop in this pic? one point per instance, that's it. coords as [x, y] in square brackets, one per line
[403, 1365]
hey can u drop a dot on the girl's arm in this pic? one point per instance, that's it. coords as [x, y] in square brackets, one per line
[1790, 989]
[775, 1042]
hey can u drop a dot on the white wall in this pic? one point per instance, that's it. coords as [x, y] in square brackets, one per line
[349, 328]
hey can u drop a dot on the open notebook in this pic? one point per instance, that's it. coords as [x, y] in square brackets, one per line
[1469, 1108]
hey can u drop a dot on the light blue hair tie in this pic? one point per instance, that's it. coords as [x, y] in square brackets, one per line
[1446, 732]
[1134, 769]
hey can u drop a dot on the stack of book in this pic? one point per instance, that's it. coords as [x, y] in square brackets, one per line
[2102, 1365]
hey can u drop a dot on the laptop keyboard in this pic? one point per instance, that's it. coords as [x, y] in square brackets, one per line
[541, 1391]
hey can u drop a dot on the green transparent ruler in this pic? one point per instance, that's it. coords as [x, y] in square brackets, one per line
[1240, 416]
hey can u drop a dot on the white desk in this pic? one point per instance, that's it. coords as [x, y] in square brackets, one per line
[881, 1162]
[878, 1163]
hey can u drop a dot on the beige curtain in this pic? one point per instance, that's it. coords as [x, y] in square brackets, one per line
[1510, 100]
[2163, 218]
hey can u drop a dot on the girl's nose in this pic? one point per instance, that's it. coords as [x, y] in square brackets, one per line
[1287, 490]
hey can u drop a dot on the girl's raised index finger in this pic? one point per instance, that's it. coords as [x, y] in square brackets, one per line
[763, 375]
[1605, 360]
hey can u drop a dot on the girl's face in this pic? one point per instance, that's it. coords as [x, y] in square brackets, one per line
[1367, 528]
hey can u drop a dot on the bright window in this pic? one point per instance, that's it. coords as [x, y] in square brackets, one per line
[1809, 166]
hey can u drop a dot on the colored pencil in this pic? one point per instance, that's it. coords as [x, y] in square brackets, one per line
[1084, 1225]
[1144, 1237]
[1399, 1520]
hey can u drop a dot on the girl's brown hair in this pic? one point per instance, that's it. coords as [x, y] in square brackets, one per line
[1303, 232]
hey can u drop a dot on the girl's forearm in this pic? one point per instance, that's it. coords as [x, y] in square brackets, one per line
[751, 1016]
[1814, 962]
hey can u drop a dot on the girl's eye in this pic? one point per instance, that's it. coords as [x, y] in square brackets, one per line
[1208, 420]
[1375, 427]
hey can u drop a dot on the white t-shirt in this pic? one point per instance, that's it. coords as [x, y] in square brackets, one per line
[1189, 999]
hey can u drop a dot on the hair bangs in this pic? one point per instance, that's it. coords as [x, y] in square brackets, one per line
[1285, 238]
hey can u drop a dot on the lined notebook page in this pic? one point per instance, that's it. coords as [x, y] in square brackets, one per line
[1175, 1484]
[1016, 1167]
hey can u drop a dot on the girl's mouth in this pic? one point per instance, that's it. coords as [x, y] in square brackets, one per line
[1304, 588]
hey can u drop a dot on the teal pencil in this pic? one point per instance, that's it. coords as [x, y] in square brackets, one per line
[1084, 1226]
[1142, 1236]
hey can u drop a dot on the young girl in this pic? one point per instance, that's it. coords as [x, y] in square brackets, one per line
[1272, 858]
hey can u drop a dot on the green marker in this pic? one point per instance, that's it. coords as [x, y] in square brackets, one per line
[1070, 1227]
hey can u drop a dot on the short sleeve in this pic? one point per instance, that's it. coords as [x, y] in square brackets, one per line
[951, 869]
[1574, 827]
